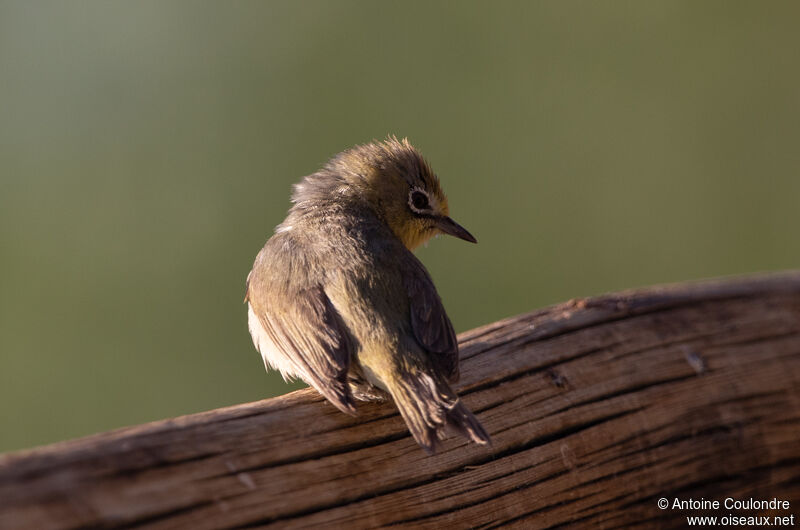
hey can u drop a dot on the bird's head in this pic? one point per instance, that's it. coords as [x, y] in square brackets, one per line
[396, 182]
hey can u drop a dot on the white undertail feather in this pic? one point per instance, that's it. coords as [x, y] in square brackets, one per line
[272, 356]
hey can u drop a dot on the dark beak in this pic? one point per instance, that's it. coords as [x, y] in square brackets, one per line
[448, 226]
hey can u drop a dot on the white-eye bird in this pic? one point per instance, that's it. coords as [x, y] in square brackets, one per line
[337, 299]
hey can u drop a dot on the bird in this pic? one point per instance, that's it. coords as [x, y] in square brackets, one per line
[337, 298]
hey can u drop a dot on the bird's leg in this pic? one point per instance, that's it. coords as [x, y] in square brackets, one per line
[363, 390]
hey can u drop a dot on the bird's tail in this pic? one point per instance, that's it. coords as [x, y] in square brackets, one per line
[428, 405]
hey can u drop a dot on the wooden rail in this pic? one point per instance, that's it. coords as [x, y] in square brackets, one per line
[597, 408]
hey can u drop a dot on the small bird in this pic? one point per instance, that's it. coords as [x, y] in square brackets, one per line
[337, 298]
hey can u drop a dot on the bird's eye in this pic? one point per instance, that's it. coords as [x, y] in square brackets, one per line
[418, 200]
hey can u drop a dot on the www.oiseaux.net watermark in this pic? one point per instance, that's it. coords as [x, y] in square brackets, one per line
[728, 506]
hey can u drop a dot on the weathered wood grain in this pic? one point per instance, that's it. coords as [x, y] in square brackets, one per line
[597, 408]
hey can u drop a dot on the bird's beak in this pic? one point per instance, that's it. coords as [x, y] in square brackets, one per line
[448, 226]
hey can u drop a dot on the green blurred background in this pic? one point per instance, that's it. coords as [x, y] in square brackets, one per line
[147, 151]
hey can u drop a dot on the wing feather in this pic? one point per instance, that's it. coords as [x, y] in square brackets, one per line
[310, 333]
[429, 321]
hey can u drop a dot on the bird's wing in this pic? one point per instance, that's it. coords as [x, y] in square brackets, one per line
[309, 332]
[429, 321]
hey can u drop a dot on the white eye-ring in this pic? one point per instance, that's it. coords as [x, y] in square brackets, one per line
[419, 201]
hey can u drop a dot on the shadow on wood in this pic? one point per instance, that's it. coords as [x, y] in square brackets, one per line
[597, 408]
